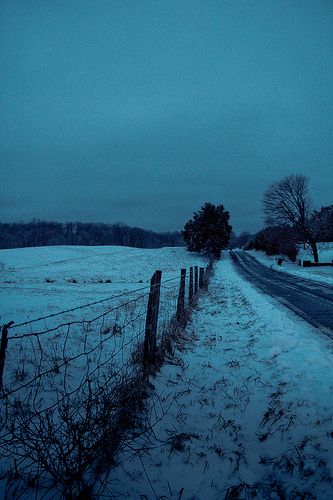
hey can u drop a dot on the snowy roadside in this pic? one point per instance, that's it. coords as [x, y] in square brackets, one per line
[319, 274]
[251, 406]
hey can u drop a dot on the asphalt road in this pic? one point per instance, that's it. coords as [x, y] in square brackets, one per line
[311, 300]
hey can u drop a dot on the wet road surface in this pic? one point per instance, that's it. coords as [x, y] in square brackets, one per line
[311, 300]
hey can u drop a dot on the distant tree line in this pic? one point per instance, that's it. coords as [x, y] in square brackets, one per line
[273, 240]
[43, 233]
[241, 240]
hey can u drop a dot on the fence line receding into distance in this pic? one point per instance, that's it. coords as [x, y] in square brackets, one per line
[65, 384]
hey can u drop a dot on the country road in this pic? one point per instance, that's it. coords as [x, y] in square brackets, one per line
[311, 300]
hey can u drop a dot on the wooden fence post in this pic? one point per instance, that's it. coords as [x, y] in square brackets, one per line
[190, 289]
[181, 296]
[201, 277]
[195, 280]
[206, 277]
[4, 342]
[158, 276]
[149, 354]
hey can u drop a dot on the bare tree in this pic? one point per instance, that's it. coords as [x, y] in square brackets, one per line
[323, 221]
[287, 203]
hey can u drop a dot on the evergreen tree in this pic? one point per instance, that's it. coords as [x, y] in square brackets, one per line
[208, 230]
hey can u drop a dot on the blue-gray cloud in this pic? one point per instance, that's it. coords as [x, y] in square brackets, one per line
[142, 111]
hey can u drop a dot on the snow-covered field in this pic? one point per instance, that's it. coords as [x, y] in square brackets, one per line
[249, 406]
[321, 274]
[48, 282]
[73, 347]
[38, 281]
[245, 408]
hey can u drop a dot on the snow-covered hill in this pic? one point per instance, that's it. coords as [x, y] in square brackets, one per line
[38, 281]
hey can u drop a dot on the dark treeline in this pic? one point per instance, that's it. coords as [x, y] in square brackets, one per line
[283, 239]
[274, 240]
[43, 233]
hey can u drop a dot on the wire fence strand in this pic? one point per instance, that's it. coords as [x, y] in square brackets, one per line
[68, 387]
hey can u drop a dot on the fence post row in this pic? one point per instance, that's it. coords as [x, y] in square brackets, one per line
[4, 341]
[197, 280]
[181, 296]
[149, 353]
[150, 342]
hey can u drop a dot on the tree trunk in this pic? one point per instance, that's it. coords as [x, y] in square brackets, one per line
[314, 249]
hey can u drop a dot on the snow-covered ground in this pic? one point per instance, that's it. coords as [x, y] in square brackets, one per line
[38, 281]
[48, 282]
[248, 406]
[71, 351]
[245, 408]
[321, 274]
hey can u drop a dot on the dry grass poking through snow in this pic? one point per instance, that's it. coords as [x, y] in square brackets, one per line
[246, 406]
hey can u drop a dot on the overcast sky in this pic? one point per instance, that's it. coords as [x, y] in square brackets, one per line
[140, 111]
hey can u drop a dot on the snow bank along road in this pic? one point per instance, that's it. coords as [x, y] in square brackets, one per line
[311, 300]
[248, 407]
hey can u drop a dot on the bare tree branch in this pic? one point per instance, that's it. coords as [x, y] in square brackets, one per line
[287, 203]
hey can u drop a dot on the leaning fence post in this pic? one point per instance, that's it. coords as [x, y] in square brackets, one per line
[149, 353]
[4, 341]
[181, 296]
[195, 280]
[201, 277]
[190, 289]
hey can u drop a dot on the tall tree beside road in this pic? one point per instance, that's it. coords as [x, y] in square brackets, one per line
[209, 230]
[287, 203]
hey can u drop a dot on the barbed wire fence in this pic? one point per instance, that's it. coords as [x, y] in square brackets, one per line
[71, 389]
